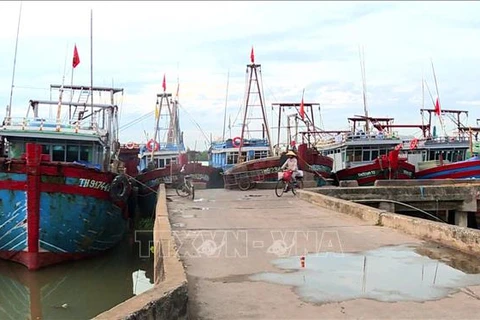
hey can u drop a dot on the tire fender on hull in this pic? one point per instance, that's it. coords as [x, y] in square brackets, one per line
[121, 188]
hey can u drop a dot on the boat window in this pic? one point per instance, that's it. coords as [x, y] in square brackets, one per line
[232, 158]
[366, 155]
[174, 160]
[374, 154]
[383, 151]
[15, 149]
[72, 153]
[161, 163]
[260, 154]
[86, 153]
[46, 149]
[349, 155]
[167, 161]
[58, 153]
[357, 155]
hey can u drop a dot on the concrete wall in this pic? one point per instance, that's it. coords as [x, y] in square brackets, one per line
[463, 239]
[168, 298]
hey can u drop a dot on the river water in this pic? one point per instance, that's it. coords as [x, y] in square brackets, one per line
[75, 290]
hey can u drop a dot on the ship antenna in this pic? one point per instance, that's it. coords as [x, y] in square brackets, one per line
[9, 107]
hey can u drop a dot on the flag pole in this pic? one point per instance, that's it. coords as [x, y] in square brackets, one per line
[438, 99]
[71, 78]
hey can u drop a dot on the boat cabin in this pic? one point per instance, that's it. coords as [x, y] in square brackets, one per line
[83, 134]
[225, 154]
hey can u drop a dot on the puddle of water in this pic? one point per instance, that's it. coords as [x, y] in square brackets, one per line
[387, 274]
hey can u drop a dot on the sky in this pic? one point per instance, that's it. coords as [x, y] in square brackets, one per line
[311, 46]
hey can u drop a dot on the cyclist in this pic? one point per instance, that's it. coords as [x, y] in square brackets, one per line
[291, 164]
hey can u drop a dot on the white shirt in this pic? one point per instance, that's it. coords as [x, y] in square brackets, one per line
[291, 164]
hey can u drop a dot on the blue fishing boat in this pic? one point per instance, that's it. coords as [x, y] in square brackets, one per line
[61, 196]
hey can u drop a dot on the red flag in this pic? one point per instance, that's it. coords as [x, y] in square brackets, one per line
[164, 84]
[437, 108]
[302, 108]
[76, 57]
[252, 56]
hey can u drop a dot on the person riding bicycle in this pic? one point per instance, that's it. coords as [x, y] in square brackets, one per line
[291, 164]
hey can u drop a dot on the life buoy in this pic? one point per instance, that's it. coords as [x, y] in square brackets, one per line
[414, 144]
[130, 145]
[152, 145]
[236, 142]
[121, 188]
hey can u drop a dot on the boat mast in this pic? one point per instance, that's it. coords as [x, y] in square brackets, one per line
[225, 111]
[364, 83]
[9, 106]
[253, 71]
[91, 64]
[438, 99]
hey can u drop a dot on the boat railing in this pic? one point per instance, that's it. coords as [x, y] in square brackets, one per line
[446, 139]
[51, 125]
[360, 135]
[357, 136]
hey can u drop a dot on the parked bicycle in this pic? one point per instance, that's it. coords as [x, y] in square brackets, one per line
[286, 183]
[185, 188]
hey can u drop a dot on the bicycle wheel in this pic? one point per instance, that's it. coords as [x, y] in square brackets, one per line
[182, 190]
[244, 184]
[280, 188]
[292, 187]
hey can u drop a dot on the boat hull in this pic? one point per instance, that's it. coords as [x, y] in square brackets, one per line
[311, 160]
[469, 169]
[258, 170]
[366, 175]
[51, 212]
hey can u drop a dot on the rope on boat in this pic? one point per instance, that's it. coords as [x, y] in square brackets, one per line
[141, 183]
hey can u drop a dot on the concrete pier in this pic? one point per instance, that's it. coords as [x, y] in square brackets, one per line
[225, 237]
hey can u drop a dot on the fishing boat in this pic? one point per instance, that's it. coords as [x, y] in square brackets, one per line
[161, 162]
[450, 157]
[128, 155]
[62, 196]
[248, 157]
[367, 155]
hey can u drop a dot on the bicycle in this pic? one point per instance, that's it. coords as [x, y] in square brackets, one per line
[286, 184]
[186, 188]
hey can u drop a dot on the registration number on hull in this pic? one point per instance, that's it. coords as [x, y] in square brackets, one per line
[94, 184]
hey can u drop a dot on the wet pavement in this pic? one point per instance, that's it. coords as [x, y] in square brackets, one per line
[391, 274]
[242, 255]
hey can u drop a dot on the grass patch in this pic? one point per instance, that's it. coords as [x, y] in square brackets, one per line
[145, 224]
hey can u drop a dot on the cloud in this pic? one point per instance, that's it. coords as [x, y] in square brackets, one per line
[317, 49]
